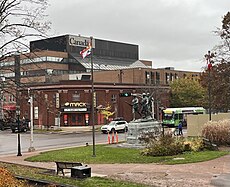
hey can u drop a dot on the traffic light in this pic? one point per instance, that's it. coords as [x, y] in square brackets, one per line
[126, 94]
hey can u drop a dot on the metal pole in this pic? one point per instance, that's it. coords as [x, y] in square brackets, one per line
[209, 64]
[209, 94]
[92, 89]
[19, 141]
[17, 82]
[31, 148]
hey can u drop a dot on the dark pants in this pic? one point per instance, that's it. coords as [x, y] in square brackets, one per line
[180, 131]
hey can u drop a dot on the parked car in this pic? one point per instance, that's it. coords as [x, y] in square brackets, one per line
[23, 126]
[115, 126]
[4, 125]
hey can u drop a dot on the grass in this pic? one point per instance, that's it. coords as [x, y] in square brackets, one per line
[110, 155]
[37, 173]
[104, 154]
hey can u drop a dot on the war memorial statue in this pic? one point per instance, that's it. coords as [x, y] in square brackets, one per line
[145, 109]
[146, 122]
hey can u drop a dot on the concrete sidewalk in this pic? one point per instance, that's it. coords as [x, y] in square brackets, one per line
[78, 129]
[205, 174]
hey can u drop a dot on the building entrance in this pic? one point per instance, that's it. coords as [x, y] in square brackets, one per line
[76, 119]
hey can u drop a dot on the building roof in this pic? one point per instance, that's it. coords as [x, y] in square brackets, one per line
[108, 63]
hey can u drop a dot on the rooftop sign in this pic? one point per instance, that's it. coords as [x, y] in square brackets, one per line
[80, 41]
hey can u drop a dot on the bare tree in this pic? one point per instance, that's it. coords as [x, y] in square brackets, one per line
[19, 21]
[219, 79]
[222, 50]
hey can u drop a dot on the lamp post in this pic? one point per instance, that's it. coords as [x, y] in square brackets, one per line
[208, 57]
[18, 122]
[17, 82]
[31, 148]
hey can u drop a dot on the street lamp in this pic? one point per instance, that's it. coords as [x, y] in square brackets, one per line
[31, 148]
[18, 121]
[208, 57]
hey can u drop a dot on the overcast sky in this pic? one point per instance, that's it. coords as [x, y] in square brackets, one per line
[175, 33]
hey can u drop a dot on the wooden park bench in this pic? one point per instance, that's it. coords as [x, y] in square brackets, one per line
[61, 166]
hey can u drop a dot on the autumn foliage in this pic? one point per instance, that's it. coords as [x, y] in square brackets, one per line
[186, 92]
[217, 132]
[7, 180]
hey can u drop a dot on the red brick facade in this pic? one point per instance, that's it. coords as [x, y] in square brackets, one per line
[71, 101]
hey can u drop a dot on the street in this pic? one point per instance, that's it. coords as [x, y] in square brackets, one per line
[47, 141]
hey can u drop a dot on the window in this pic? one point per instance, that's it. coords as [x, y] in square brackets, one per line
[176, 76]
[167, 78]
[147, 77]
[114, 98]
[178, 116]
[152, 78]
[73, 118]
[157, 78]
[79, 120]
[11, 98]
[171, 77]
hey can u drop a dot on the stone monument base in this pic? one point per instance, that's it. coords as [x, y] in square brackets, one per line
[137, 127]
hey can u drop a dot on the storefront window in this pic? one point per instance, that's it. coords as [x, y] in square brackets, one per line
[73, 118]
[79, 119]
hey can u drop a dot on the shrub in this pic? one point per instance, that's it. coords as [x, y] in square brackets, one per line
[194, 144]
[147, 137]
[7, 180]
[163, 146]
[217, 132]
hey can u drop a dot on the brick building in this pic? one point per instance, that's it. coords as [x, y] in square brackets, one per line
[70, 102]
[55, 73]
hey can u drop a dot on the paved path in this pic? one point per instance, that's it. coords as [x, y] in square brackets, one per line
[205, 174]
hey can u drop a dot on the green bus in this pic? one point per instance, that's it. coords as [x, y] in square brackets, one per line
[172, 116]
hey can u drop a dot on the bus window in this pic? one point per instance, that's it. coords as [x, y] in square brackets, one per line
[168, 116]
[176, 116]
[181, 116]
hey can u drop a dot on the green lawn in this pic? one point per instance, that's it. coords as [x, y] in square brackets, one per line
[39, 174]
[109, 155]
[104, 154]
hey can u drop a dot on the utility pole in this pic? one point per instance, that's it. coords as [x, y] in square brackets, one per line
[17, 82]
[31, 148]
[208, 57]
[92, 98]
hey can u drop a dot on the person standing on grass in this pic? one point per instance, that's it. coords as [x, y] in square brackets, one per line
[180, 128]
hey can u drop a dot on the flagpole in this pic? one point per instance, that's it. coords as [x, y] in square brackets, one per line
[93, 102]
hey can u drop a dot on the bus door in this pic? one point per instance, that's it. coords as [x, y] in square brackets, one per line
[177, 118]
